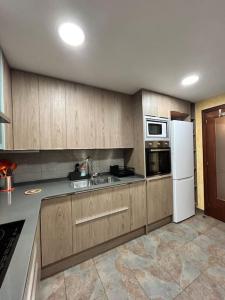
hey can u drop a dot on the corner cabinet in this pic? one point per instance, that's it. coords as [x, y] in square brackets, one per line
[159, 198]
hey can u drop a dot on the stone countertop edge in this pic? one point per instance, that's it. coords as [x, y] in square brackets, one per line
[17, 206]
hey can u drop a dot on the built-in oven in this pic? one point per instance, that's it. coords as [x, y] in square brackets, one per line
[156, 129]
[158, 160]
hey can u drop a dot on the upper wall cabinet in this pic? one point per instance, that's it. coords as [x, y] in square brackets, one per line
[81, 105]
[52, 101]
[54, 114]
[161, 105]
[97, 118]
[6, 136]
[25, 111]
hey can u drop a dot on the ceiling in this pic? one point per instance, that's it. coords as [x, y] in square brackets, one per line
[129, 45]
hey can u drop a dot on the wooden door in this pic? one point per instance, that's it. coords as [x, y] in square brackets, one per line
[56, 229]
[52, 113]
[138, 215]
[25, 111]
[100, 216]
[159, 199]
[214, 162]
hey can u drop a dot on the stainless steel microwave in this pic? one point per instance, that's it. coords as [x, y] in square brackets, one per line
[156, 129]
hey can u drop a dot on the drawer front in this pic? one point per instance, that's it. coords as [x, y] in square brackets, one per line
[100, 216]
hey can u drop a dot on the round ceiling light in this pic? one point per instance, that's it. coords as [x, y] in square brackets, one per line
[71, 34]
[189, 80]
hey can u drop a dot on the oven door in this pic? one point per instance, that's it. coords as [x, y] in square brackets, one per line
[158, 161]
[156, 130]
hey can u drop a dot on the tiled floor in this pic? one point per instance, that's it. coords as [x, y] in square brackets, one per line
[178, 261]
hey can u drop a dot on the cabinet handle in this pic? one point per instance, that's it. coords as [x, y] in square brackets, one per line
[102, 215]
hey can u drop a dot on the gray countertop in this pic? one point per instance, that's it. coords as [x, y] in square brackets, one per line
[18, 206]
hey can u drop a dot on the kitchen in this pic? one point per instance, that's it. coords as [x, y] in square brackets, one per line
[103, 190]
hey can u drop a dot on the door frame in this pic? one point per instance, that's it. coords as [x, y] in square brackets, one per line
[204, 113]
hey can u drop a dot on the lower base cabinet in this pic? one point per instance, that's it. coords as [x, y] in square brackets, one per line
[159, 199]
[56, 229]
[100, 216]
[138, 214]
[72, 224]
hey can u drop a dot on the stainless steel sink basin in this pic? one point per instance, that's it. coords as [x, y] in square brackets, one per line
[94, 181]
[80, 184]
[104, 179]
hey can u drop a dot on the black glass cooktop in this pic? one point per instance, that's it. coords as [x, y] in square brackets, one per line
[9, 235]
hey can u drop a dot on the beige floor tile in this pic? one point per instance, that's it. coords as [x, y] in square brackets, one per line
[53, 288]
[83, 283]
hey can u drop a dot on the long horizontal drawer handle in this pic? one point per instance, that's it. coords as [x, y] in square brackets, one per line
[102, 215]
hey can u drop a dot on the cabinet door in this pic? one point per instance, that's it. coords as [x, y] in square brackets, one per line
[159, 199]
[156, 104]
[25, 111]
[56, 229]
[99, 216]
[138, 216]
[52, 113]
[82, 125]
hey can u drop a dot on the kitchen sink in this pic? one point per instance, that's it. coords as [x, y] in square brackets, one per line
[104, 179]
[94, 181]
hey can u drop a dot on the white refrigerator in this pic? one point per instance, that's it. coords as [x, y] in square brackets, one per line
[182, 158]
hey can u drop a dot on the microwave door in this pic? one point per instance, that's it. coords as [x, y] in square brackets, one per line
[156, 130]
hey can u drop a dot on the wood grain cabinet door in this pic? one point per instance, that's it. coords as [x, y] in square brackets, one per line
[159, 199]
[138, 217]
[156, 104]
[25, 111]
[83, 126]
[52, 100]
[56, 229]
[99, 216]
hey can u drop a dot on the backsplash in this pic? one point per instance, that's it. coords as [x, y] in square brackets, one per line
[58, 163]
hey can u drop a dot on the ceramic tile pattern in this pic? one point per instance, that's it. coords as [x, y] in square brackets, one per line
[183, 261]
[49, 164]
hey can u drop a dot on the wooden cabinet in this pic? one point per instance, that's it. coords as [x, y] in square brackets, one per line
[100, 216]
[158, 105]
[56, 229]
[159, 199]
[138, 215]
[52, 101]
[54, 114]
[97, 118]
[83, 127]
[25, 111]
[6, 134]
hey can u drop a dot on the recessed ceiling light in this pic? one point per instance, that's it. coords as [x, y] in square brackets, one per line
[189, 80]
[71, 34]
